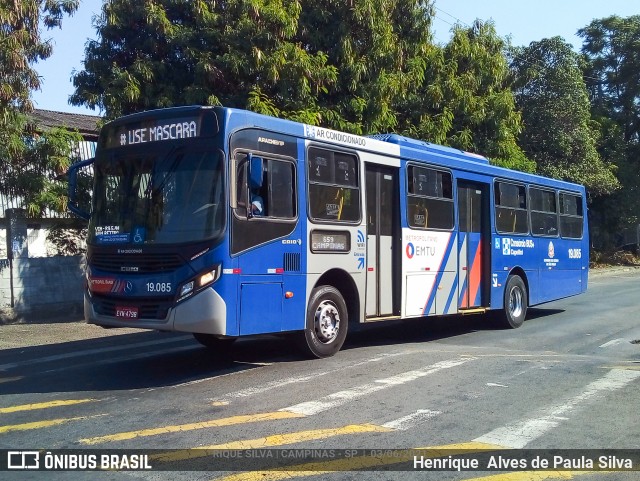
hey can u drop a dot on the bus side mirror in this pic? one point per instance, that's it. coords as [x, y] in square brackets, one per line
[255, 172]
[72, 205]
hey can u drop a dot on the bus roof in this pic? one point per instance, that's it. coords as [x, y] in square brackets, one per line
[429, 147]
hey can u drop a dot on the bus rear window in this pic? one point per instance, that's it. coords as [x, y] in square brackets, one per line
[571, 216]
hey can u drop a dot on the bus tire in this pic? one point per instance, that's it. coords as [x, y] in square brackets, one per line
[222, 344]
[326, 324]
[515, 303]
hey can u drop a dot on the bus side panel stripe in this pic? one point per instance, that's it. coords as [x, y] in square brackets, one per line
[450, 282]
[452, 294]
[462, 300]
[443, 262]
[475, 275]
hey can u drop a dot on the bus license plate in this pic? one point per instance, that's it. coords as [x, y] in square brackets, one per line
[123, 312]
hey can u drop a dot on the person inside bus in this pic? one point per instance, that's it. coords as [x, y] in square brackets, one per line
[257, 205]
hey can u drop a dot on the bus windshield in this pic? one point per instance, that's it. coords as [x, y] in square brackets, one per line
[152, 197]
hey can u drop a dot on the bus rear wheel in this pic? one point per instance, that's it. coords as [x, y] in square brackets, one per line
[221, 344]
[515, 303]
[326, 324]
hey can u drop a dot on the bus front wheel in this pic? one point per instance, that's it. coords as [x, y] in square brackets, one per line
[515, 302]
[326, 324]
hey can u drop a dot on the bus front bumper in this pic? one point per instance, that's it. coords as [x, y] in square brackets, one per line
[205, 312]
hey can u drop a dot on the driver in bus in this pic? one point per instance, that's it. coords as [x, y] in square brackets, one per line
[257, 205]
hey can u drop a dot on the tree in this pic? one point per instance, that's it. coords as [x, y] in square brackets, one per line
[22, 46]
[611, 49]
[332, 63]
[162, 53]
[466, 100]
[27, 161]
[380, 49]
[558, 132]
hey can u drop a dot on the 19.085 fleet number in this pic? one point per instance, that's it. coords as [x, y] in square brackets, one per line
[158, 286]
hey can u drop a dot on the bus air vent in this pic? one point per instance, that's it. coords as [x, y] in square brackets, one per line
[292, 261]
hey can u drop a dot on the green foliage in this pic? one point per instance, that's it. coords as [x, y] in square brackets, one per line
[21, 46]
[31, 174]
[466, 101]
[611, 49]
[611, 64]
[558, 133]
[29, 160]
[240, 53]
[380, 49]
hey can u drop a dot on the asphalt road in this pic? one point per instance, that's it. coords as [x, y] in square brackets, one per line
[568, 379]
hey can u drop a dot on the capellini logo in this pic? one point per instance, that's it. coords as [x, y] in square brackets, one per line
[410, 250]
[552, 250]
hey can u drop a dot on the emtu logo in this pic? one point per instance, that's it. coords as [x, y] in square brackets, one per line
[410, 250]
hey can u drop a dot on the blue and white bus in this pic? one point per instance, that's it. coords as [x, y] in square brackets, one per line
[225, 223]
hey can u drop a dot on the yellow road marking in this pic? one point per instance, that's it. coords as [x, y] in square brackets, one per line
[250, 418]
[628, 367]
[360, 462]
[42, 424]
[271, 441]
[527, 476]
[537, 475]
[44, 405]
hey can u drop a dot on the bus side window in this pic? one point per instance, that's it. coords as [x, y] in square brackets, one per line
[281, 192]
[429, 198]
[273, 197]
[511, 208]
[334, 190]
[544, 212]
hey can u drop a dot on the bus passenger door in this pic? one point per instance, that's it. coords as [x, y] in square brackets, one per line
[383, 228]
[473, 231]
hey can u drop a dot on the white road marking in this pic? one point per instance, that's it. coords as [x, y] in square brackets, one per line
[495, 384]
[90, 352]
[411, 420]
[342, 397]
[613, 342]
[251, 391]
[517, 435]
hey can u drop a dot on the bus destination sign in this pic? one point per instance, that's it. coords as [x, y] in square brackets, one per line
[330, 241]
[153, 130]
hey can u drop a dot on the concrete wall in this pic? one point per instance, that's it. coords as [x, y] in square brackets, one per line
[43, 288]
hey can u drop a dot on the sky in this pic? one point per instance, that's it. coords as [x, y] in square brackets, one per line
[523, 21]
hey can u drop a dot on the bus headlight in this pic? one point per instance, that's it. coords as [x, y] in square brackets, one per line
[206, 278]
[198, 283]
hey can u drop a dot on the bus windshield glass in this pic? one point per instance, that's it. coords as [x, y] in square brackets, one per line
[157, 198]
